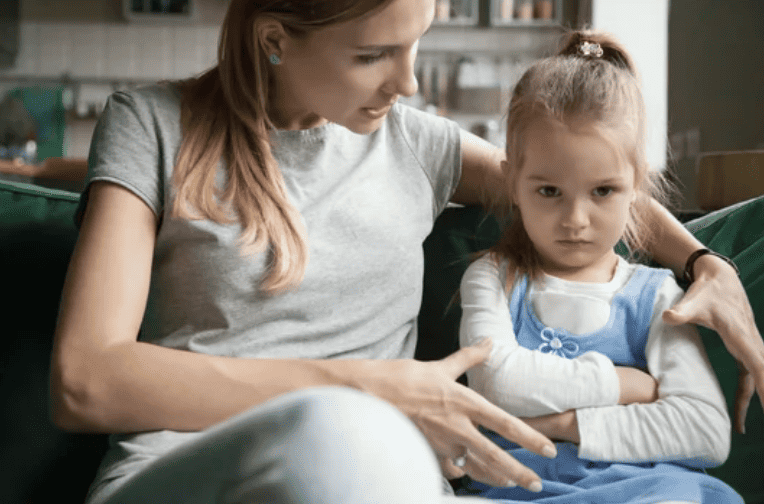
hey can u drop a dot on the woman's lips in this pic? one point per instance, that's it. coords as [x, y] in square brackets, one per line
[377, 113]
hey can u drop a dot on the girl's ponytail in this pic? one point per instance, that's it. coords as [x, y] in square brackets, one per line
[596, 45]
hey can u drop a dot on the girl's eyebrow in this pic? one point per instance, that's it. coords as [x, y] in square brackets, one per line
[611, 180]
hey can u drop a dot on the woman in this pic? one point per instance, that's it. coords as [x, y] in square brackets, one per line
[302, 271]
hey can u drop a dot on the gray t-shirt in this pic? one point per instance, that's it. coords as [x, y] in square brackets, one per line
[368, 202]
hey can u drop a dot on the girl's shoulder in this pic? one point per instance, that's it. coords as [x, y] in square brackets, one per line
[491, 267]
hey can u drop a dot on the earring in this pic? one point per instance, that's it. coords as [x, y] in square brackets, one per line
[274, 59]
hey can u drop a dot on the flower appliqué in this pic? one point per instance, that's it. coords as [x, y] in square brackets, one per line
[557, 344]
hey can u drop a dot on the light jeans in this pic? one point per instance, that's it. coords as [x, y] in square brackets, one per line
[325, 445]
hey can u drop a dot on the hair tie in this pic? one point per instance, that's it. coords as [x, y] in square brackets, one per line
[590, 49]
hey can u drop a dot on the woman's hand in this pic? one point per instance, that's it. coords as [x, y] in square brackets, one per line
[717, 300]
[448, 414]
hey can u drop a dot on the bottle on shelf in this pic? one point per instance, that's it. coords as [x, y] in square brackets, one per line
[525, 10]
[543, 9]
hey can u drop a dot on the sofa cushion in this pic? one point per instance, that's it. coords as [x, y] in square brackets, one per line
[37, 235]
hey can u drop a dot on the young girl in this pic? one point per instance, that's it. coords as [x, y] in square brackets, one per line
[573, 324]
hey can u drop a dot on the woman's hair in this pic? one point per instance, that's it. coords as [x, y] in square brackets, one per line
[224, 116]
[591, 78]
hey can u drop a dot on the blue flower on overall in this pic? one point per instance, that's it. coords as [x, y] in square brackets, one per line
[557, 344]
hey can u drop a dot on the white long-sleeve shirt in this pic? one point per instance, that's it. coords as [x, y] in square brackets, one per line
[689, 421]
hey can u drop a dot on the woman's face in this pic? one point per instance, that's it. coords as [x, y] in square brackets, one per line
[351, 73]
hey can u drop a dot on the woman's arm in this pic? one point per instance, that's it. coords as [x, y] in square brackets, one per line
[717, 300]
[482, 181]
[529, 383]
[687, 423]
[104, 380]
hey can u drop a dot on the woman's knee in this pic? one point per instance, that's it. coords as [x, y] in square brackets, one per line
[357, 448]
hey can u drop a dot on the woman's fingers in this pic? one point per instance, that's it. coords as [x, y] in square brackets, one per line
[460, 361]
[489, 463]
[746, 387]
[514, 429]
[449, 470]
[718, 301]
[457, 432]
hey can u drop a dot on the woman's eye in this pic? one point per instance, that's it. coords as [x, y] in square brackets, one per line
[549, 191]
[368, 59]
[603, 191]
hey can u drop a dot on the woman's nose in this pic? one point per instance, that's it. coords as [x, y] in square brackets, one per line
[404, 80]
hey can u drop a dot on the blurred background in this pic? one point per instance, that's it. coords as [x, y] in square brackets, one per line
[702, 64]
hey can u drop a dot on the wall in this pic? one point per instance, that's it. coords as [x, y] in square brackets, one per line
[642, 26]
[89, 44]
[208, 12]
[716, 79]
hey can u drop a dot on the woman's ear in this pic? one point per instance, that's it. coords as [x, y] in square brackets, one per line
[270, 36]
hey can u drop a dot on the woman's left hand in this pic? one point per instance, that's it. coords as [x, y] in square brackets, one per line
[717, 300]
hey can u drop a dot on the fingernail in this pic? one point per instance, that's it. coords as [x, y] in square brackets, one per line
[535, 487]
[549, 451]
[510, 484]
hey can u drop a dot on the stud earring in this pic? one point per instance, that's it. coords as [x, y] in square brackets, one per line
[274, 59]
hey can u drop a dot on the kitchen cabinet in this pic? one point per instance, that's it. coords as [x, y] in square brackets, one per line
[477, 49]
[158, 10]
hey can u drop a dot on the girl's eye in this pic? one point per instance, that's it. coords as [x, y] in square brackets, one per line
[549, 191]
[368, 59]
[603, 191]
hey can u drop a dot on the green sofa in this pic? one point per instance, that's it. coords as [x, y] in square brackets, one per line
[37, 234]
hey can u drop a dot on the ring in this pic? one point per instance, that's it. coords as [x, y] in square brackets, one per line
[461, 461]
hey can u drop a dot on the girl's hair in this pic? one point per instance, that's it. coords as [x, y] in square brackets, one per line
[582, 83]
[224, 116]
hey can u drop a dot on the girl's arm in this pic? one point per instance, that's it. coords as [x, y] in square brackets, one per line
[529, 383]
[715, 300]
[104, 380]
[688, 422]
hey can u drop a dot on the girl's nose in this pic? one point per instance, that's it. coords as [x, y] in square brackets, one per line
[575, 215]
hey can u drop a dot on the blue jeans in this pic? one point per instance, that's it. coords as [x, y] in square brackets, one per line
[321, 445]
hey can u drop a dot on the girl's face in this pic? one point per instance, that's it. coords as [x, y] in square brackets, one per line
[574, 191]
[351, 73]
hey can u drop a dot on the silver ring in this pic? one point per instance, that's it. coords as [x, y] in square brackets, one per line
[461, 461]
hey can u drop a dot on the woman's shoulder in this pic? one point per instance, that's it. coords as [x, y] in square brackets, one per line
[419, 122]
[149, 100]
